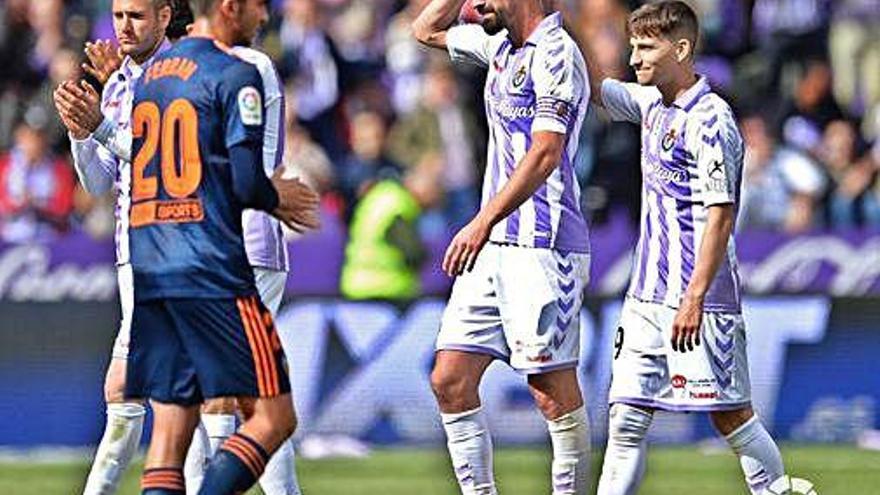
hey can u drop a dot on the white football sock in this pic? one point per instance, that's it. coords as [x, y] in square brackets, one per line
[570, 436]
[758, 454]
[470, 449]
[624, 463]
[196, 459]
[218, 427]
[122, 435]
[279, 478]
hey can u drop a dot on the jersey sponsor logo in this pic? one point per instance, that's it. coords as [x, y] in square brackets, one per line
[661, 173]
[167, 211]
[250, 106]
[703, 395]
[679, 381]
[510, 111]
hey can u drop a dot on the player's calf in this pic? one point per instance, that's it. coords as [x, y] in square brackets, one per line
[122, 434]
[241, 460]
[173, 426]
[558, 396]
[758, 454]
[217, 423]
[624, 464]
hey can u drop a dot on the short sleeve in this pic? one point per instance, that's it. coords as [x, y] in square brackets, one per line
[241, 91]
[561, 84]
[470, 44]
[719, 155]
[627, 101]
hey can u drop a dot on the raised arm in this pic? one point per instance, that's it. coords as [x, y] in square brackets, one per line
[437, 17]
[594, 70]
[95, 165]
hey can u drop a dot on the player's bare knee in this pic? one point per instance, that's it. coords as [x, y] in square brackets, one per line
[452, 390]
[627, 424]
[728, 421]
[114, 382]
[555, 394]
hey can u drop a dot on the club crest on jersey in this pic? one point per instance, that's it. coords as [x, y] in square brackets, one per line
[669, 140]
[250, 106]
[520, 77]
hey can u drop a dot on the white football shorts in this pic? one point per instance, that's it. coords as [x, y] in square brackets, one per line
[647, 372]
[521, 305]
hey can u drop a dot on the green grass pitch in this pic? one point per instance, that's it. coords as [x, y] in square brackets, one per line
[835, 470]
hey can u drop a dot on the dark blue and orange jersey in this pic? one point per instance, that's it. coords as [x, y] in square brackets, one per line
[195, 104]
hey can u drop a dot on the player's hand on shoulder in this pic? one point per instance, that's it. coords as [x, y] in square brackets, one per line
[297, 203]
[462, 252]
[104, 59]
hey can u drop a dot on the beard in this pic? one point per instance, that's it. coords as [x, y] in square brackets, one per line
[492, 24]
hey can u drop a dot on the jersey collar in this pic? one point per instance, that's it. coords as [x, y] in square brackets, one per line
[689, 98]
[131, 70]
[549, 23]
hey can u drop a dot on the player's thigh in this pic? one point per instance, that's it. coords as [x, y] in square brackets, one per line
[158, 365]
[639, 352]
[114, 381]
[540, 293]
[234, 346]
[716, 372]
[125, 279]
[458, 372]
[270, 285]
[471, 321]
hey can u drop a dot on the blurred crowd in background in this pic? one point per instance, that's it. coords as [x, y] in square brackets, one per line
[367, 104]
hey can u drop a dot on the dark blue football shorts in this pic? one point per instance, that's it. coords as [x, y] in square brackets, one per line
[184, 351]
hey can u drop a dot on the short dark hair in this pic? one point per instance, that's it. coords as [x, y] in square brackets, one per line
[671, 19]
[181, 17]
[201, 8]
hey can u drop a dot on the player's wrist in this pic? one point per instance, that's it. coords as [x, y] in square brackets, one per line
[694, 298]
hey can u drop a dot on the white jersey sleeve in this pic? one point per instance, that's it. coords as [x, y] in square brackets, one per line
[116, 140]
[469, 43]
[95, 165]
[627, 101]
[561, 84]
[718, 150]
[273, 131]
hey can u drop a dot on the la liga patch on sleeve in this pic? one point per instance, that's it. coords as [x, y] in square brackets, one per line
[250, 106]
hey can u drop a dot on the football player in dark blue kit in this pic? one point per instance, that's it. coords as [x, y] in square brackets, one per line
[199, 329]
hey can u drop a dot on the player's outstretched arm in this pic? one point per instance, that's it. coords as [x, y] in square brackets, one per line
[539, 162]
[436, 18]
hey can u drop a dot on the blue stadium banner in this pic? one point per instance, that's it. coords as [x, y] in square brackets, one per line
[361, 369]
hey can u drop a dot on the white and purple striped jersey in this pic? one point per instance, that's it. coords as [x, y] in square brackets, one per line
[541, 86]
[104, 159]
[692, 155]
[263, 237]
